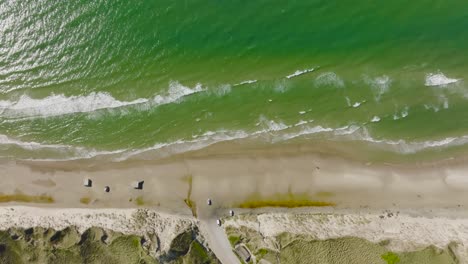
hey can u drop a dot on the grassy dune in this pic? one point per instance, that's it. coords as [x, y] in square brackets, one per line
[95, 245]
[300, 249]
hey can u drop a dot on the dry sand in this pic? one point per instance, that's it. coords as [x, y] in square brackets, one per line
[229, 178]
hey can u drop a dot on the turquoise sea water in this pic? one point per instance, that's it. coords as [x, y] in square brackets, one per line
[144, 79]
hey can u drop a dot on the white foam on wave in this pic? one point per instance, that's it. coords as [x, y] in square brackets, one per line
[271, 125]
[206, 139]
[280, 86]
[405, 147]
[404, 113]
[439, 79]
[375, 119]
[329, 79]
[5, 140]
[66, 151]
[379, 85]
[55, 105]
[245, 82]
[274, 131]
[348, 101]
[299, 72]
[358, 104]
[445, 102]
[175, 92]
[222, 90]
[310, 130]
[271, 128]
[303, 122]
[59, 104]
[277, 134]
[350, 132]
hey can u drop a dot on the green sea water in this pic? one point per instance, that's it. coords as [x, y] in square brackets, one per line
[146, 79]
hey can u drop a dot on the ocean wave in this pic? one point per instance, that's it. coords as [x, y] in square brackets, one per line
[55, 105]
[439, 79]
[175, 92]
[221, 90]
[375, 119]
[303, 112]
[444, 101]
[69, 152]
[433, 107]
[358, 104]
[280, 86]
[329, 79]
[348, 101]
[245, 82]
[379, 85]
[303, 122]
[5, 140]
[404, 113]
[271, 132]
[405, 147]
[299, 72]
[270, 125]
[59, 104]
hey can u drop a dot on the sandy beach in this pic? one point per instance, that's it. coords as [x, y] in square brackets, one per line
[231, 177]
[424, 196]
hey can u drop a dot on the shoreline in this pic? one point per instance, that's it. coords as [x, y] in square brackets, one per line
[238, 174]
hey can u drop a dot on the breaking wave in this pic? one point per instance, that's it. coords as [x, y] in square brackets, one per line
[329, 79]
[404, 113]
[299, 72]
[56, 105]
[439, 79]
[379, 85]
[59, 104]
[269, 131]
[245, 82]
[70, 152]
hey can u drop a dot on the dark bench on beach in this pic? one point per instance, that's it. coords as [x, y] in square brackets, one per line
[138, 185]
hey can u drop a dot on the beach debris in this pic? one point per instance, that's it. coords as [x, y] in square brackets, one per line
[107, 189]
[218, 222]
[231, 212]
[138, 185]
[87, 182]
[243, 253]
[209, 202]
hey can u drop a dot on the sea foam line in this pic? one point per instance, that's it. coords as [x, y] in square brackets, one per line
[269, 130]
[55, 105]
[245, 82]
[299, 72]
[75, 152]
